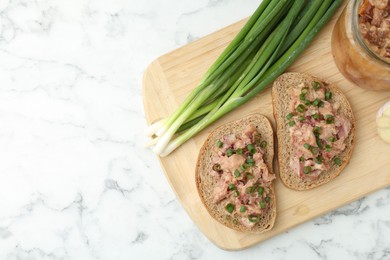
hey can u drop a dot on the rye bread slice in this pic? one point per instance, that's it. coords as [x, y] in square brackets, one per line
[205, 182]
[281, 102]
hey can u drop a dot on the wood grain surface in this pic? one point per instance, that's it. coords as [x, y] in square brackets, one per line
[171, 77]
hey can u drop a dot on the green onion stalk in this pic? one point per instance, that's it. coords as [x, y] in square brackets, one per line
[275, 35]
[252, 31]
[231, 59]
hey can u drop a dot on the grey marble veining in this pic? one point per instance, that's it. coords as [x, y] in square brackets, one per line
[76, 182]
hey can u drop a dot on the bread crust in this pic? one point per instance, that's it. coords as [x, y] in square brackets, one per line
[280, 101]
[204, 182]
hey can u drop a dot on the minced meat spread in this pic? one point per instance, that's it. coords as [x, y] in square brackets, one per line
[374, 25]
[243, 180]
[317, 130]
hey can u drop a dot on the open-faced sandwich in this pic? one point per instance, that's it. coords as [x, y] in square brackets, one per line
[234, 175]
[315, 130]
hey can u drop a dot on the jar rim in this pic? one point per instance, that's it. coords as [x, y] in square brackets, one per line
[357, 33]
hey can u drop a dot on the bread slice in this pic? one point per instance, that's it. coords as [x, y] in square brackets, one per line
[205, 182]
[281, 101]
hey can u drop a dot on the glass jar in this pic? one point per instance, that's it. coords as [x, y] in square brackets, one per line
[355, 60]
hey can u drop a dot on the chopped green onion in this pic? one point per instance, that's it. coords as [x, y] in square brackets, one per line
[251, 148]
[332, 139]
[229, 152]
[306, 169]
[219, 144]
[249, 176]
[232, 187]
[337, 161]
[237, 173]
[314, 150]
[307, 103]
[328, 95]
[302, 97]
[250, 161]
[318, 160]
[301, 159]
[301, 108]
[316, 85]
[242, 208]
[318, 142]
[263, 144]
[316, 130]
[229, 208]
[321, 104]
[306, 145]
[239, 151]
[316, 116]
[253, 218]
[301, 118]
[267, 199]
[262, 204]
[243, 167]
[260, 190]
[316, 102]
[328, 147]
[216, 167]
[289, 116]
[236, 193]
[291, 123]
[329, 119]
[304, 90]
[250, 190]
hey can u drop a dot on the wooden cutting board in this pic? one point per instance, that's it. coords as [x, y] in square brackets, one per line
[170, 78]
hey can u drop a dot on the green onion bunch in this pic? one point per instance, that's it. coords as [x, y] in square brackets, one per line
[274, 36]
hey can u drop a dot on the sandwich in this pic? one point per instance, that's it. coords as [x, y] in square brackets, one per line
[315, 130]
[234, 174]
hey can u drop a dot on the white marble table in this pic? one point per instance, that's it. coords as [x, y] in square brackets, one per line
[75, 181]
